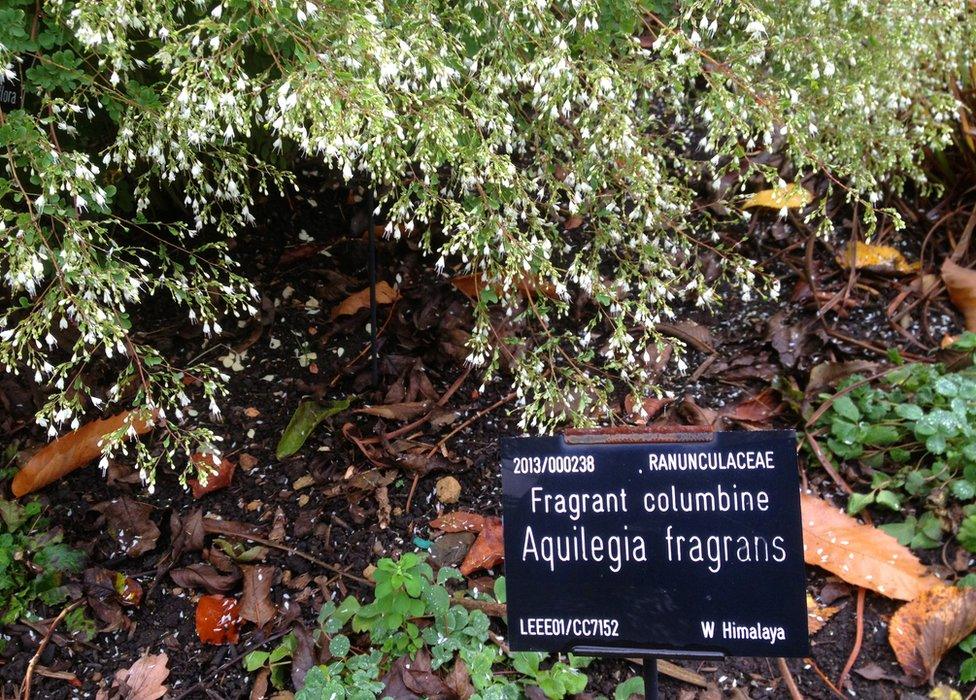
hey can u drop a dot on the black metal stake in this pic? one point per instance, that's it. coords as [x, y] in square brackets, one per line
[372, 288]
[650, 678]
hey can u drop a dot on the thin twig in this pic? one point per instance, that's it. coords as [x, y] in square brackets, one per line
[823, 676]
[784, 671]
[286, 548]
[858, 637]
[476, 417]
[846, 390]
[825, 463]
[25, 689]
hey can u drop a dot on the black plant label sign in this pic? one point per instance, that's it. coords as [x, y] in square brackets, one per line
[693, 547]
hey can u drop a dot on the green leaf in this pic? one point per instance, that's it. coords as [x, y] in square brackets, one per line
[255, 660]
[967, 533]
[631, 686]
[903, 532]
[845, 407]
[501, 594]
[909, 411]
[60, 557]
[889, 499]
[967, 670]
[963, 489]
[13, 514]
[881, 435]
[308, 415]
[858, 502]
[339, 645]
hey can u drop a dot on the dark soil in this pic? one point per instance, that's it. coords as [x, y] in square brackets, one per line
[300, 352]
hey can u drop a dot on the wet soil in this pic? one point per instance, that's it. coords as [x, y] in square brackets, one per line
[298, 351]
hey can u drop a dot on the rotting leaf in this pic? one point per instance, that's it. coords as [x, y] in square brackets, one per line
[922, 631]
[413, 678]
[219, 475]
[103, 597]
[459, 680]
[694, 334]
[256, 605]
[73, 450]
[793, 196]
[204, 576]
[403, 411]
[758, 409]
[217, 619]
[143, 680]
[875, 258]
[308, 415]
[459, 521]
[385, 294]
[818, 615]
[473, 285]
[860, 554]
[488, 549]
[961, 284]
[129, 523]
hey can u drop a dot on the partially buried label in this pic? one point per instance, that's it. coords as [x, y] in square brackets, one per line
[675, 546]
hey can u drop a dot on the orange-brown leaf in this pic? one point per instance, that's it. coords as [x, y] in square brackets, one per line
[219, 477]
[385, 294]
[70, 451]
[459, 521]
[860, 554]
[961, 284]
[818, 615]
[488, 549]
[218, 619]
[922, 631]
[471, 286]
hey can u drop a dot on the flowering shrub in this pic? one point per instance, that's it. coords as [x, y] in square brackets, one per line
[491, 123]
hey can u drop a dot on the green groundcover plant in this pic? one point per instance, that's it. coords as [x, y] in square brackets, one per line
[148, 128]
[34, 564]
[414, 613]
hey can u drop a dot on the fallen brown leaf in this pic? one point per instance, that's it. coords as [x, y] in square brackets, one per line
[412, 679]
[758, 409]
[129, 523]
[488, 549]
[71, 451]
[459, 680]
[397, 411]
[103, 592]
[204, 576]
[860, 554]
[818, 615]
[961, 284]
[144, 680]
[459, 521]
[922, 631]
[471, 286]
[256, 605]
[219, 476]
[694, 334]
[385, 294]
